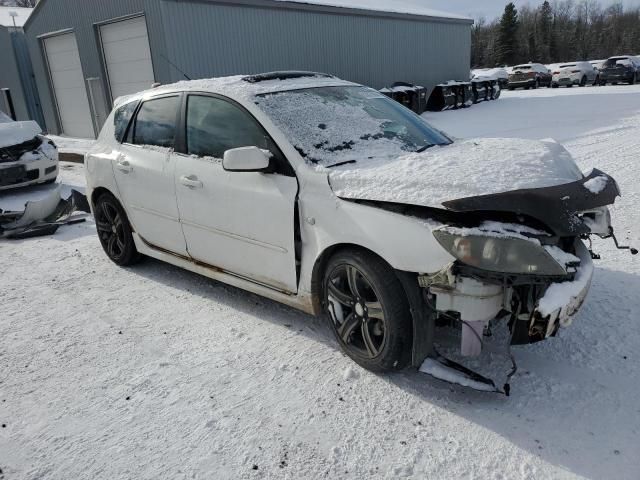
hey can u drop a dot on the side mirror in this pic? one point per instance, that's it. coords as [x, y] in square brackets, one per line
[246, 159]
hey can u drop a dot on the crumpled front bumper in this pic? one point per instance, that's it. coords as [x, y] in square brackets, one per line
[562, 300]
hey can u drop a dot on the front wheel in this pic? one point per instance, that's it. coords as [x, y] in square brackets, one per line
[114, 231]
[368, 311]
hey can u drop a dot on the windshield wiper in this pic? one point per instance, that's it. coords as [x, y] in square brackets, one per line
[426, 147]
[341, 163]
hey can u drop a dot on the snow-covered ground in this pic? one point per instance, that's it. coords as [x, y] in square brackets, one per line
[153, 372]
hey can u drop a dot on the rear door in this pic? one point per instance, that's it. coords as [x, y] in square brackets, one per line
[144, 174]
[239, 222]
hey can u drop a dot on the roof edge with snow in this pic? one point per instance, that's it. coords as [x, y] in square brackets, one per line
[341, 7]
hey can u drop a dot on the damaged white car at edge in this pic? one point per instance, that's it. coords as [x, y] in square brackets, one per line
[26, 156]
[329, 197]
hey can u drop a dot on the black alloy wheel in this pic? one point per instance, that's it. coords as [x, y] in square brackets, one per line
[114, 231]
[368, 311]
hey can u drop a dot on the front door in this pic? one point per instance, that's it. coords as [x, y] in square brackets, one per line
[144, 174]
[240, 222]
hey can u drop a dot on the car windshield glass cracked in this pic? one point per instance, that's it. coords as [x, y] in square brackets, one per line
[328, 125]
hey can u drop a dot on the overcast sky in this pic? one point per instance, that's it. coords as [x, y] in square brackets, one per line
[487, 8]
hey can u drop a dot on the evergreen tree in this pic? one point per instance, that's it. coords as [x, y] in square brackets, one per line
[546, 32]
[508, 35]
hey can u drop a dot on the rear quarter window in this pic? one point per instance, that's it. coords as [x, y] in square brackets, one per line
[121, 119]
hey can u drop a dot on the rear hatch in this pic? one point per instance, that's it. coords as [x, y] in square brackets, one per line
[617, 66]
[522, 74]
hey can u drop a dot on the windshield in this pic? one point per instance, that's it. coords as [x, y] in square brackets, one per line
[332, 125]
[523, 67]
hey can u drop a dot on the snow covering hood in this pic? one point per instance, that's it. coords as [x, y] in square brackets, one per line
[15, 133]
[463, 169]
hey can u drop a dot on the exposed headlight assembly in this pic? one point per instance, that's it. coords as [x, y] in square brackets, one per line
[503, 253]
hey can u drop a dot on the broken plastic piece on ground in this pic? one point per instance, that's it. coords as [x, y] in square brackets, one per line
[45, 216]
[444, 369]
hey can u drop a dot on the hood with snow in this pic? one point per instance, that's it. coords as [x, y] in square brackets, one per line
[463, 169]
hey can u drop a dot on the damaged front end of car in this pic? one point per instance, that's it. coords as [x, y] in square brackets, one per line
[521, 263]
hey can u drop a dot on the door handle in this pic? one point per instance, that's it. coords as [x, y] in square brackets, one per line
[124, 166]
[191, 182]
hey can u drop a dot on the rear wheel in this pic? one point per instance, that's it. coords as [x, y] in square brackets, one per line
[368, 311]
[596, 82]
[583, 81]
[633, 80]
[114, 231]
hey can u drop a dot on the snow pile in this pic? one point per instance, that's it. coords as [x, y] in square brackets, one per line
[464, 169]
[596, 184]
[15, 133]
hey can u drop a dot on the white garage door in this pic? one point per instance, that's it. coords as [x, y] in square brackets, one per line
[68, 85]
[127, 56]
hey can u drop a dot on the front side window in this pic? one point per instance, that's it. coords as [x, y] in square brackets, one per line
[215, 126]
[333, 125]
[121, 119]
[155, 123]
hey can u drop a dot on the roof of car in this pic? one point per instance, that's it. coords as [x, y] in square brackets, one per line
[245, 86]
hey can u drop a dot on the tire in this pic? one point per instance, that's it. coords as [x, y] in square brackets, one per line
[555, 85]
[355, 284]
[570, 85]
[633, 80]
[583, 81]
[114, 231]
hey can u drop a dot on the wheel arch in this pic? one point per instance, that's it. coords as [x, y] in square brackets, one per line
[319, 267]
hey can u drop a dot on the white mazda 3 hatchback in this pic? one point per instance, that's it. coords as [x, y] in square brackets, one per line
[331, 198]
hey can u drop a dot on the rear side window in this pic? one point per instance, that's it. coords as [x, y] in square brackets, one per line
[155, 123]
[121, 119]
[215, 126]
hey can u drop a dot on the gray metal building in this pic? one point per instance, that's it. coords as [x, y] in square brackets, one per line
[16, 73]
[86, 54]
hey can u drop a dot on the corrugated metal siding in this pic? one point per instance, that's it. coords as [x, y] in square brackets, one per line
[205, 39]
[56, 15]
[9, 75]
[208, 39]
[25, 70]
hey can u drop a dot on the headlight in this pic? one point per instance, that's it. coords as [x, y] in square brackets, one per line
[502, 254]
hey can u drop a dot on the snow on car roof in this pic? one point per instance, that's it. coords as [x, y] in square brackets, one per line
[410, 7]
[238, 87]
[22, 14]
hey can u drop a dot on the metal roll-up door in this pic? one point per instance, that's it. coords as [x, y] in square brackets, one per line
[68, 85]
[127, 56]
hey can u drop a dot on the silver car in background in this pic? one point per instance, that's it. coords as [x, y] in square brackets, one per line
[576, 73]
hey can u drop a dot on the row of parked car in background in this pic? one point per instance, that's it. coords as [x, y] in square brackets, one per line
[619, 69]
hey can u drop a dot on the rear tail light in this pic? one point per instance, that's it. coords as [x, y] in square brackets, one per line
[556, 73]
